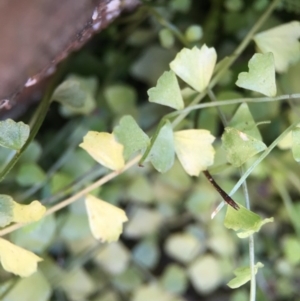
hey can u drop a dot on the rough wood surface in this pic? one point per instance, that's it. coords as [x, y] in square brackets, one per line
[35, 35]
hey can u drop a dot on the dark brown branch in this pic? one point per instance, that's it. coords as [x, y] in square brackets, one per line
[222, 193]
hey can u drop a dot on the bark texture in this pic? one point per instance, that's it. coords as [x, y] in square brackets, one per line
[35, 35]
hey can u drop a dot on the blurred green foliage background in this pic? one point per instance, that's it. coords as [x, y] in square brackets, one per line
[170, 249]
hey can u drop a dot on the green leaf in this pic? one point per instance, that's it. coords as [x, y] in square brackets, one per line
[143, 221]
[194, 150]
[6, 210]
[30, 174]
[151, 292]
[70, 93]
[76, 227]
[147, 253]
[166, 38]
[182, 6]
[36, 236]
[32, 153]
[108, 254]
[167, 91]
[195, 66]
[240, 146]
[261, 75]
[243, 275]
[162, 153]
[244, 122]
[144, 69]
[194, 33]
[140, 190]
[110, 295]
[283, 42]
[13, 134]
[183, 247]
[128, 281]
[244, 220]
[121, 99]
[174, 279]
[59, 181]
[131, 136]
[242, 139]
[36, 287]
[291, 249]
[76, 94]
[70, 284]
[296, 144]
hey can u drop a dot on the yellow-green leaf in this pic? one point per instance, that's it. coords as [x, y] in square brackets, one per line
[194, 33]
[162, 152]
[33, 288]
[17, 260]
[283, 42]
[13, 134]
[36, 237]
[194, 150]
[28, 213]
[195, 66]
[11, 211]
[106, 221]
[167, 91]
[30, 174]
[76, 94]
[243, 275]
[6, 210]
[261, 75]
[244, 220]
[291, 249]
[104, 148]
[244, 122]
[131, 136]
[166, 38]
[240, 146]
[121, 99]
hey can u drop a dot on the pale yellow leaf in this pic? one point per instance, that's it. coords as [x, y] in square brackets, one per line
[17, 260]
[195, 66]
[28, 213]
[283, 42]
[106, 221]
[194, 150]
[12, 211]
[104, 148]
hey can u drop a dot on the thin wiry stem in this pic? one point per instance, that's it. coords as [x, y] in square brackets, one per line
[261, 157]
[251, 247]
[247, 201]
[231, 102]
